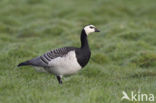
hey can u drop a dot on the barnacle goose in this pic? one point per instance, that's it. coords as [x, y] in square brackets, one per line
[67, 60]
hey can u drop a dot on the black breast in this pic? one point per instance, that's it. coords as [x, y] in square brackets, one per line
[83, 56]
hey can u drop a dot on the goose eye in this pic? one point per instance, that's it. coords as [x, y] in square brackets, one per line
[91, 27]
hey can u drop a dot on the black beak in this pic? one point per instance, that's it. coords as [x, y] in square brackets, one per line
[96, 30]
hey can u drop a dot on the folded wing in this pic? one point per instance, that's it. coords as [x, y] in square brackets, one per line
[44, 60]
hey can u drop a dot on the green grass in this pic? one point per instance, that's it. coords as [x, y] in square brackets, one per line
[123, 53]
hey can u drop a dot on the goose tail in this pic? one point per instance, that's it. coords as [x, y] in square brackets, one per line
[23, 63]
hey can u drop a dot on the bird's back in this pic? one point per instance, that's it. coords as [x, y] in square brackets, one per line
[46, 58]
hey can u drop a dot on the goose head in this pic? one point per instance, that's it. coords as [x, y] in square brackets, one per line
[90, 29]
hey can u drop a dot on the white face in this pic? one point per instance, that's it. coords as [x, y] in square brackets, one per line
[90, 29]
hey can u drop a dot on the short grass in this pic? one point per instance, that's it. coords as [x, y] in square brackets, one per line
[123, 53]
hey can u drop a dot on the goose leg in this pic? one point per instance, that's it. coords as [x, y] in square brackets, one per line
[59, 78]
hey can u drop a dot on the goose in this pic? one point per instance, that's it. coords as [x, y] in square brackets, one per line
[67, 60]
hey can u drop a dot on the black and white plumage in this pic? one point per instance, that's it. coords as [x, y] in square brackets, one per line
[67, 60]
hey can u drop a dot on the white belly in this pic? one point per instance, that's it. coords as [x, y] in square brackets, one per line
[65, 65]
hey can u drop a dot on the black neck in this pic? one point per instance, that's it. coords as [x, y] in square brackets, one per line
[84, 41]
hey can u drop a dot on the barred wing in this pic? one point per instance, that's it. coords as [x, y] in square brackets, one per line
[43, 61]
[47, 57]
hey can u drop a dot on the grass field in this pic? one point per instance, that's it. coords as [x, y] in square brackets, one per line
[123, 53]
